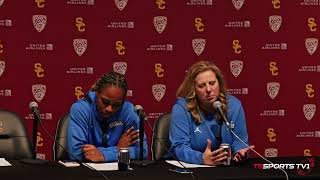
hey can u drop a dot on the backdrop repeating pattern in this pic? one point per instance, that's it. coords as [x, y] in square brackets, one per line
[52, 52]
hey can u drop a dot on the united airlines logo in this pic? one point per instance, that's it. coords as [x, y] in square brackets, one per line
[238, 4]
[80, 46]
[121, 4]
[275, 22]
[311, 45]
[198, 45]
[39, 22]
[120, 67]
[309, 110]
[271, 152]
[158, 91]
[39, 91]
[273, 89]
[1, 2]
[160, 23]
[2, 67]
[236, 67]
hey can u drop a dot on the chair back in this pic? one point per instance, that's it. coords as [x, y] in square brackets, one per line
[61, 153]
[160, 140]
[14, 140]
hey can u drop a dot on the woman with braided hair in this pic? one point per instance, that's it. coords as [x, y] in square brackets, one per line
[196, 129]
[104, 121]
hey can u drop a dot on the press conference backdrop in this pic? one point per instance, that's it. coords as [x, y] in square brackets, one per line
[52, 52]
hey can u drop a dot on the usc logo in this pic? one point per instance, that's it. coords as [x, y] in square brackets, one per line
[312, 25]
[161, 4]
[159, 70]
[39, 140]
[78, 92]
[236, 46]
[310, 90]
[120, 48]
[38, 70]
[273, 68]
[80, 24]
[198, 24]
[271, 135]
[1, 47]
[40, 3]
[276, 4]
[307, 152]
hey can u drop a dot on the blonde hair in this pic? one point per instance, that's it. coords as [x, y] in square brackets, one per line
[187, 88]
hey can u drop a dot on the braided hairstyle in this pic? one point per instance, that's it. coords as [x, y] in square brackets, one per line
[111, 79]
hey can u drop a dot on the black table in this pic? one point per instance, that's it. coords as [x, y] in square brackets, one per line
[160, 170]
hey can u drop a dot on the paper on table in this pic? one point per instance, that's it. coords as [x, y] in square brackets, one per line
[187, 165]
[4, 162]
[103, 166]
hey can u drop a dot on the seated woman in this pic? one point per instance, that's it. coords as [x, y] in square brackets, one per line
[197, 129]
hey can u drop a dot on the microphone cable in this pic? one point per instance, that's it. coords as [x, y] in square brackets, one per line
[77, 160]
[287, 177]
[166, 149]
[217, 106]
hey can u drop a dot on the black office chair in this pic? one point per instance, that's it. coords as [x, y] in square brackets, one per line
[61, 153]
[14, 140]
[160, 140]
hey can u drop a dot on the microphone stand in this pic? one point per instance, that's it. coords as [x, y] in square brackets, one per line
[141, 161]
[34, 138]
[34, 159]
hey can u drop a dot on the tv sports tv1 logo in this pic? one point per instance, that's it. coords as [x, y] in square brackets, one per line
[303, 168]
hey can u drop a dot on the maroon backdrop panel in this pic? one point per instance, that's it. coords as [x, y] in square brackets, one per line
[52, 52]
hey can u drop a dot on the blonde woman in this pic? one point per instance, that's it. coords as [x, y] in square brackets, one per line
[196, 129]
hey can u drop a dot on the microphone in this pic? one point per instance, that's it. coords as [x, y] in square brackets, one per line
[36, 114]
[143, 117]
[139, 110]
[217, 106]
[35, 111]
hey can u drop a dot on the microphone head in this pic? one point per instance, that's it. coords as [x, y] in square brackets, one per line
[33, 104]
[217, 104]
[138, 107]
